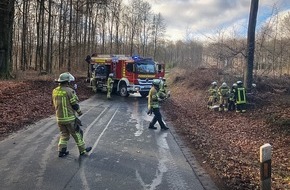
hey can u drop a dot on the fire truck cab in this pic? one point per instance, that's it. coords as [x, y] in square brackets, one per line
[130, 74]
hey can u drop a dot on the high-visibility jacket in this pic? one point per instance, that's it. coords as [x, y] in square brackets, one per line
[64, 99]
[162, 86]
[224, 91]
[110, 83]
[153, 96]
[213, 91]
[241, 95]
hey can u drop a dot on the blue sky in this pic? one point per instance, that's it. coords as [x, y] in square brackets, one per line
[200, 18]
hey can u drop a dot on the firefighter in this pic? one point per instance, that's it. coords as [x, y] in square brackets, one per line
[66, 105]
[223, 92]
[232, 97]
[110, 83]
[162, 87]
[240, 97]
[154, 98]
[213, 94]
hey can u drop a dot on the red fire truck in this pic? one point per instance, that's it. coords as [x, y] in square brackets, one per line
[130, 74]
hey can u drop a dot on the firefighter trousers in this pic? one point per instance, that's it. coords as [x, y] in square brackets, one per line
[157, 117]
[109, 91]
[65, 131]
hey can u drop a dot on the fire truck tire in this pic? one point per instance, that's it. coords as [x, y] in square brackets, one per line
[123, 90]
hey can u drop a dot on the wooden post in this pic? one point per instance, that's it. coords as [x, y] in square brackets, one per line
[265, 168]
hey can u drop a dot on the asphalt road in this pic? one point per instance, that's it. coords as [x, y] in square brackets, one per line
[126, 155]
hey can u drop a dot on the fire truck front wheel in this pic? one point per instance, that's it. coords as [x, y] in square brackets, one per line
[123, 90]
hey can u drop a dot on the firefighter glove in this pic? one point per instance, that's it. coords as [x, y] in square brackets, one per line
[79, 112]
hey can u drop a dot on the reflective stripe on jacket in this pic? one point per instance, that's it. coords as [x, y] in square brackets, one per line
[241, 95]
[64, 98]
[213, 91]
[110, 82]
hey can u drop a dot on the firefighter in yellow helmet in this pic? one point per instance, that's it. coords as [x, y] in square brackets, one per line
[153, 104]
[110, 83]
[224, 91]
[65, 102]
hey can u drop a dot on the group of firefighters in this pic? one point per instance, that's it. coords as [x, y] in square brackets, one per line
[67, 109]
[228, 98]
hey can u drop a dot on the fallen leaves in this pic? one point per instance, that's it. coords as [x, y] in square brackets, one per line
[24, 102]
[229, 142]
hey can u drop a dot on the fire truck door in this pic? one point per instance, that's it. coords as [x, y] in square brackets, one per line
[130, 71]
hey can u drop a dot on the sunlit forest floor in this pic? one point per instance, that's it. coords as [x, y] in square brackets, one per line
[227, 143]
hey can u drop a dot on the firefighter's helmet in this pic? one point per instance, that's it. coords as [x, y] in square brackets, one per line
[156, 82]
[71, 77]
[214, 83]
[254, 85]
[239, 82]
[235, 85]
[63, 77]
[224, 84]
[111, 75]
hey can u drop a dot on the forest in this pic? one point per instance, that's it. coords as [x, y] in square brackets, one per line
[40, 39]
[56, 35]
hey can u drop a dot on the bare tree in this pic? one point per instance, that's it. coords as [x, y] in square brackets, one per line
[248, 79]
[6, 30]
[159, 28]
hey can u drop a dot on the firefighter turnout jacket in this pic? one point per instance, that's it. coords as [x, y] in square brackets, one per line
[65, 104]
[154, 97]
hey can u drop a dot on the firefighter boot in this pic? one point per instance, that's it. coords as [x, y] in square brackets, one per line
[88, 149]
[164, 128]
[152, 127]
[63, 152]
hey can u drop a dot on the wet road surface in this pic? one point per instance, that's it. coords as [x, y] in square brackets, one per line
[125, 154]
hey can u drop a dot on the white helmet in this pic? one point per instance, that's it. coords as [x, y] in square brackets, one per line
[224, 84]
[156, 82]
[214, 83]
[71, 77]
[111, 75]
[65, 77]
[235, 85]
[239, 82]
[254, 85]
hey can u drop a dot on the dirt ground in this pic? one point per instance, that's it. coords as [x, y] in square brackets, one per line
[226, 144]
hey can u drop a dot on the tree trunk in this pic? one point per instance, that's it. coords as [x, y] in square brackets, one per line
[70, 37]
[48, 61]
[6, 31]
[248, 80]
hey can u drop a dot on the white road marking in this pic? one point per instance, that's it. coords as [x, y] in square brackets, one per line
[162, 168]
[83, 175]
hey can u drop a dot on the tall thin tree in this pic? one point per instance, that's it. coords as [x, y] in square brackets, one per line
[248, 79]
[6, 31]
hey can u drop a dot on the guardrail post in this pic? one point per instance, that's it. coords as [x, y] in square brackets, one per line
[265, 167]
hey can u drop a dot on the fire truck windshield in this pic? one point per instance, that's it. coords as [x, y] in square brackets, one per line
[145, 67]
